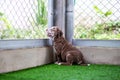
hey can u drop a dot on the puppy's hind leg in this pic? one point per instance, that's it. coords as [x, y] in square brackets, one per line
[69, 60]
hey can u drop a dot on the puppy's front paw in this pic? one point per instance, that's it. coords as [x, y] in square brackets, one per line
[59, 63]
[88, 64]
[56, 62]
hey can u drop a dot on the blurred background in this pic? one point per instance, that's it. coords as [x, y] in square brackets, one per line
[97, 19]
[27, 19]
[23, 19]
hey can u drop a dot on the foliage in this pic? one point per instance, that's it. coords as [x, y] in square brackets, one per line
[38, 31]
[8, 29]
[104, 30]
[9, 32]
[109, 30]
[101, 13]
[41, 14]
[5, 20]
[23, 34]
[1, 14]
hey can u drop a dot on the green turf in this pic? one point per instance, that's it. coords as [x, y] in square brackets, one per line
[75, 72]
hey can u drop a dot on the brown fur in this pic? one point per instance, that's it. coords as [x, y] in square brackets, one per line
[65, 52]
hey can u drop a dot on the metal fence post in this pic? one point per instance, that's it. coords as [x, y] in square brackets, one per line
[50, 13]
[59, 18]
[69, 20]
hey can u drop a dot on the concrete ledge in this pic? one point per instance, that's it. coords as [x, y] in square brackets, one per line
[101, 55]
[12, 60]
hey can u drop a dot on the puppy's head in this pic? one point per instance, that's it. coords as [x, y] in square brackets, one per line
[54, 32]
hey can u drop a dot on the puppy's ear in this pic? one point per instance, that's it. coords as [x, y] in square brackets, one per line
[59, 33]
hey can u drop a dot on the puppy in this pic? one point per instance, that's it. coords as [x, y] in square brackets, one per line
[65, 52]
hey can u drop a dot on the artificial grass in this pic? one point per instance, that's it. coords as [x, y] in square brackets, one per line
[56, 72]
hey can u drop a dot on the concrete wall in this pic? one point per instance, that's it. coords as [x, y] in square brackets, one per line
[12, 60]
[101, 55]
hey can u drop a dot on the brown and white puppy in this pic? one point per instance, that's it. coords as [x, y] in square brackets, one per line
[65, 52]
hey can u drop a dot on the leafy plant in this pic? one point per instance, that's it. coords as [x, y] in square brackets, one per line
[41, 14]
[1, 14]
[101, 13]
[99, 31]
[8, 30]
[5, 20]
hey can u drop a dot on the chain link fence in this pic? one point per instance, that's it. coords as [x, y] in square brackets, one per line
[23, 19]
[97, 19]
